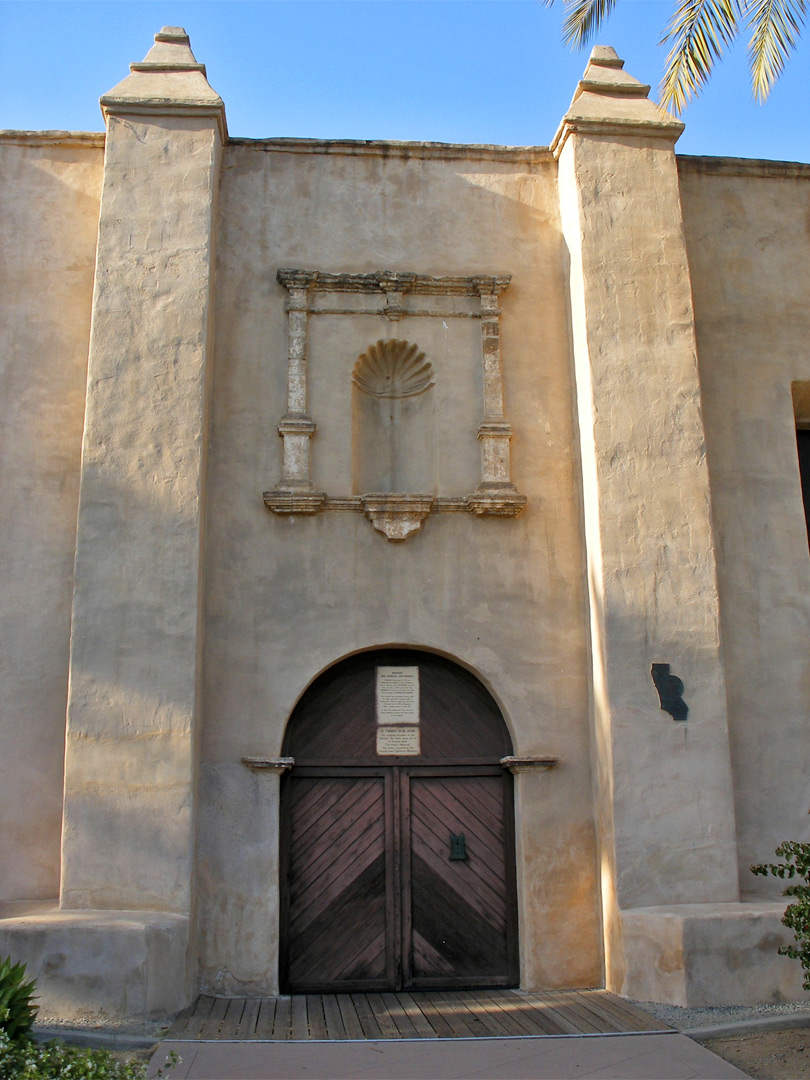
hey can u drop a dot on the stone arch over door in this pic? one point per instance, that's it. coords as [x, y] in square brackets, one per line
[397, 858]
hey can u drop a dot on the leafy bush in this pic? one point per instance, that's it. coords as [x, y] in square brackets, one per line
[27, 1060]
[17, 1009]
[797, 915]
[23, 1059]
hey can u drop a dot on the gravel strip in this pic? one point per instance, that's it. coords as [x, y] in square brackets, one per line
[724, 1017]
[108, 1035]
[99, 1040]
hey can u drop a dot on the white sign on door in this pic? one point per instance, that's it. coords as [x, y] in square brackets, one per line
[397, 695]
[398, 741]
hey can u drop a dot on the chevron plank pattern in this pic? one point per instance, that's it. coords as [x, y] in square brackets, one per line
[337, 917]
[458, 907]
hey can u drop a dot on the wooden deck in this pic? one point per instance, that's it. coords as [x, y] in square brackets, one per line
[420, 1014]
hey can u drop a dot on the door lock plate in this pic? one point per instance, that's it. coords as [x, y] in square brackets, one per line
[458, 848]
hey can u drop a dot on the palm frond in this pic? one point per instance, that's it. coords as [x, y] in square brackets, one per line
[583, 18]
[698, 32]
[775, 25]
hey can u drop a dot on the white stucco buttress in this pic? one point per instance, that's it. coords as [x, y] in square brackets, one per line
[133, 702]
[647, 506]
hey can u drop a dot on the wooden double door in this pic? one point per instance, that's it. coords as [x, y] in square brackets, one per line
[398, 877]
[399, 874]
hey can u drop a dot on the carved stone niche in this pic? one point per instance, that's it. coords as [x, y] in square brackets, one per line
[391, 377]
[393, 418]
[392, 369]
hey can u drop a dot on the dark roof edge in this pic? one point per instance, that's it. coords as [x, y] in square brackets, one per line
[535, 155]
[53, 138]
[399, 149]
[729, 166]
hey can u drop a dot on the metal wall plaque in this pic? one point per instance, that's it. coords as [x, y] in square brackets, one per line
[398, 741]
[398, 695]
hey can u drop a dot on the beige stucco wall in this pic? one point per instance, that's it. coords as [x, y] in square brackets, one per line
[747, 228]
[49, 198]
[286, 597]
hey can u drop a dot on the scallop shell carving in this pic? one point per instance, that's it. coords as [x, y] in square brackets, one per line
[393, 369]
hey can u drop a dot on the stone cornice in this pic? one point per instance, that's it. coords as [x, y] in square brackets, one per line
[381, 281]
[529, 155]
[578, 125]
[53, 138]
[687, 163]
[754, 167]
[634, 89]
[163, 107]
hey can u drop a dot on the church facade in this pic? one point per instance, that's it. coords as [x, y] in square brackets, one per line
[406, 576]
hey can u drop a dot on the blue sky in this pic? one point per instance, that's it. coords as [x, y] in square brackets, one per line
[491, 71]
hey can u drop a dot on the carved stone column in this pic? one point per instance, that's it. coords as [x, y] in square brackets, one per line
[294, 491]
[496, 494]
[393, 287]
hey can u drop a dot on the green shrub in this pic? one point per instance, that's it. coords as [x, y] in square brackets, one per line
[23, 1059]
[17, 1009]
[27, 1060]
[797, 914]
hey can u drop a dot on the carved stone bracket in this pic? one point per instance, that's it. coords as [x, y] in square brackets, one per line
[529, 764]
[277, 765]
[294, 502]
[496, 501]
[396, 515]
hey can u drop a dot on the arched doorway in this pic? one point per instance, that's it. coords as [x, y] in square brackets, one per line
[397, 861]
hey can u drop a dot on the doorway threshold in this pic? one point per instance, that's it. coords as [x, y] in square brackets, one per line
[417, 1014]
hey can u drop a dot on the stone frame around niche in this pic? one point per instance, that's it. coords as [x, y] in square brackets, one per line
[395, 514]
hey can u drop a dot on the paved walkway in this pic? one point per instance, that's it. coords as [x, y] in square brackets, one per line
[655, 1056]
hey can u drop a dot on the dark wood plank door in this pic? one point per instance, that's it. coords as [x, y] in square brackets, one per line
[375, 898]
[340, 901]
[372, 895]
[458, 906]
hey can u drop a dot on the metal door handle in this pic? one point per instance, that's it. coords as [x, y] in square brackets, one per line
[458, 849]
